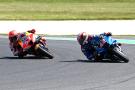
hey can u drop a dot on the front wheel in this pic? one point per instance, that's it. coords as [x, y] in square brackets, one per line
[120, 55]
[43, 51]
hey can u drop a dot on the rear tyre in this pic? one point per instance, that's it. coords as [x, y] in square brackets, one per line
[120, 55]
[20, 56]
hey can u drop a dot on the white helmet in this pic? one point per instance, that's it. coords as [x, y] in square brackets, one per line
[82, 38]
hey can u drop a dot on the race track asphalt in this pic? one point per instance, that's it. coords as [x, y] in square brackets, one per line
[69, 70]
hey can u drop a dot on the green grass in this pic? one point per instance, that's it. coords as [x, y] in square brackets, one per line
[66, 9]
[70, 1]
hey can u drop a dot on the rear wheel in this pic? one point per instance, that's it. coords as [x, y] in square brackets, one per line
[20, 56]
[120, 55]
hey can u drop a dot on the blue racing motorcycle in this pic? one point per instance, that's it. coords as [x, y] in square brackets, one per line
[110, 50]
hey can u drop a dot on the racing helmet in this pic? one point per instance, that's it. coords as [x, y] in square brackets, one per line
[82, 38]
[12, 35]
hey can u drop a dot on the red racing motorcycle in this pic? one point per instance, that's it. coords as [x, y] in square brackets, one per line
[34, 45]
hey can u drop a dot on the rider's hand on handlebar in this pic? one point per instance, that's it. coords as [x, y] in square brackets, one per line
[108, 33]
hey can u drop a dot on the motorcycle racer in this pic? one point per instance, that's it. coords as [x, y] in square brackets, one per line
[13, 37]
[89, 42]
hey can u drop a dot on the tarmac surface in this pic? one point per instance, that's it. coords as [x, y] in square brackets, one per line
[69, 70]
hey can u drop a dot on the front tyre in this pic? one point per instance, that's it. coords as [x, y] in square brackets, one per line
[120, 55]
[43, 51]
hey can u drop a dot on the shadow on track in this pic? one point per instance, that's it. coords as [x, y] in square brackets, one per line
[92, 61]
[26, 57]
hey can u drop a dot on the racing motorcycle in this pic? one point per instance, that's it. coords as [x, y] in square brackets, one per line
[32, 44]
[111, 50]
